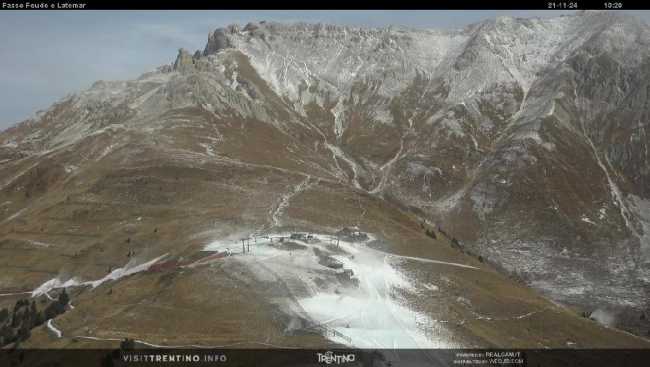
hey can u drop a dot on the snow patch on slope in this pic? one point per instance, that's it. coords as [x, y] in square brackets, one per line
[373, 314]
[116, 274]
[125, 271]
[641, 208]
[57, 332]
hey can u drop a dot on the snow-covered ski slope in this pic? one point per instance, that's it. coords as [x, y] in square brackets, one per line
[350, 292]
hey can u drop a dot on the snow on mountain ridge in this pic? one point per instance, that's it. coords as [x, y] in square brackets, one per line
[473, 59]
[505, 50]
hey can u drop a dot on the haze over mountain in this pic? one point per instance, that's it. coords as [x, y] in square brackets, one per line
[508, 154]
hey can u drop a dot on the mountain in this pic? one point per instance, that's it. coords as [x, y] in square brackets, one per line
[481, 165]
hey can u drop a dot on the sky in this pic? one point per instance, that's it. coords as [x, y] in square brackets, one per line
[49, 54]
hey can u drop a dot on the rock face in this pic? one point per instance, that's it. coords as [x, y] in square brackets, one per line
[218, 40]
[184, 62]
[522, 139]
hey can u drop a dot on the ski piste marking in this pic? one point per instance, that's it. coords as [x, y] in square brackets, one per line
[426, 260]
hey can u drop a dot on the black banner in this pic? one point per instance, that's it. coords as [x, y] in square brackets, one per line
[324, 5]
[334, 357]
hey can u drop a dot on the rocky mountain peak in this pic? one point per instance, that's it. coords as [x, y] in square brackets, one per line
[184, 61]
[219, 40]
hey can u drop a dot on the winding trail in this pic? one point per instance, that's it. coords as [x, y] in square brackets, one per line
[386, 168]
[338, 153]
[283, 203]
[54, 329]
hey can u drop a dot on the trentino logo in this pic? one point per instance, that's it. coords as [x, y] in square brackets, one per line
[329, 357]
